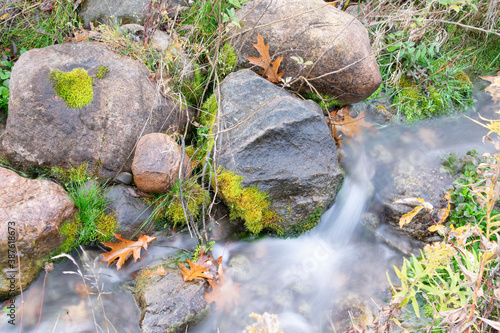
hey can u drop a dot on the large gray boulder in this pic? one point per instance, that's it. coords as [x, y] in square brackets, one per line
[314, 30]
[42, 130]
[164, 308]
[278, 143]
[31, 211]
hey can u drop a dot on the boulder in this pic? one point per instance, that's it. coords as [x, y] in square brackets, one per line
[31, 211]
[156, 163]
[163, 308]
[122, 11]
[336, 43]
[42, 130]
[278, 143]
[129, 210]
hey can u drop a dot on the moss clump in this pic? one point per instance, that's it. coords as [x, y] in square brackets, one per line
[408, 99]
[194, 196]
[101, 72]
[74, 87]
[301, 228]
[248, 204]
[206, 120]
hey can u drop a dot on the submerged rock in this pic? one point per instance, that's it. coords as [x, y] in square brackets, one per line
[315, 31]
[42, 130]
[279, 144]
[163, 308]
[31, 211]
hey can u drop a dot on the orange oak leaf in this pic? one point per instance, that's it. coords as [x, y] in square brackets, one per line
[195, 271]
[348, 125]
[270, 67]
[123, 250]
[225, 292]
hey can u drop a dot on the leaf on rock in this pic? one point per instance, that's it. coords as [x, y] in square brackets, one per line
[225, 292]
[348, 125]
[494, 87]
[123, 250]
[195, 271]
[270, 71]
[444, 212]
[421, 203]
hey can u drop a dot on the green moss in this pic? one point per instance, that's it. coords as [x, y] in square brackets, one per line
[301, 228]
[248, 204]
[408, 99]
[207, 119]
[75, 87]
[192, 89]
[101, 72]
[194, 197]
[106, 225]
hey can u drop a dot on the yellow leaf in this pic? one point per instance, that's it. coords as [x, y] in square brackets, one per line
[406, 218]
[439, 228]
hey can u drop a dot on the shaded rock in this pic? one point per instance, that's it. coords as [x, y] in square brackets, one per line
[31, 211]
[156, 163]
[278, 143]
[410, 182]
[163, 308]
[336, 42]
[129, 210]
[125, 178]
[121, 11]
[42, 130]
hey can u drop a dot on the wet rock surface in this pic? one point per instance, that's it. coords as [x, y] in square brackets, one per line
[279, 144]
[42, 130]
[314, 30]
[163, 308]
[31, 211]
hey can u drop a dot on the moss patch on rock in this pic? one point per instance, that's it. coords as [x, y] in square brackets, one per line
[74, 87]
[248, 204]
[301, 228]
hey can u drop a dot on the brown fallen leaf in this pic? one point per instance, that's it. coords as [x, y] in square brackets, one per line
[195, 272]
[342, 121]
[494, 87]
[123, 250]
[270, 71]
[225, 292]
[82, 34]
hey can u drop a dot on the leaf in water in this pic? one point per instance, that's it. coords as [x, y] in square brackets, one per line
[266, 323]
[270, 67]
[494, 87]
[125, 248]
[225, 292]
[348, 125]
[195, 271]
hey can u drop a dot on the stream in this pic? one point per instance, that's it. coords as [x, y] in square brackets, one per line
[319, 282]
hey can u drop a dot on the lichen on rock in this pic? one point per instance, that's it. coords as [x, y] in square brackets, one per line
[74, 87]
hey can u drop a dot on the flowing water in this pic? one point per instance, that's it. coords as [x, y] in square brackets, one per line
[318, 282]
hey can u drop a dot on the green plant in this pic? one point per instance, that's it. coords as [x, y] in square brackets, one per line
[101, 72]
[74, 87]
[33, 25]
[5, 69]
[90, 223]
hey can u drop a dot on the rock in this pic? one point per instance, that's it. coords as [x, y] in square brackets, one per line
[42, 130]
[409, 182]
[125, 178]
[129, 210]
[156, 163]
[336, 42]
[121, 11]
[33, 209]
[278, 143]
[163, 308]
